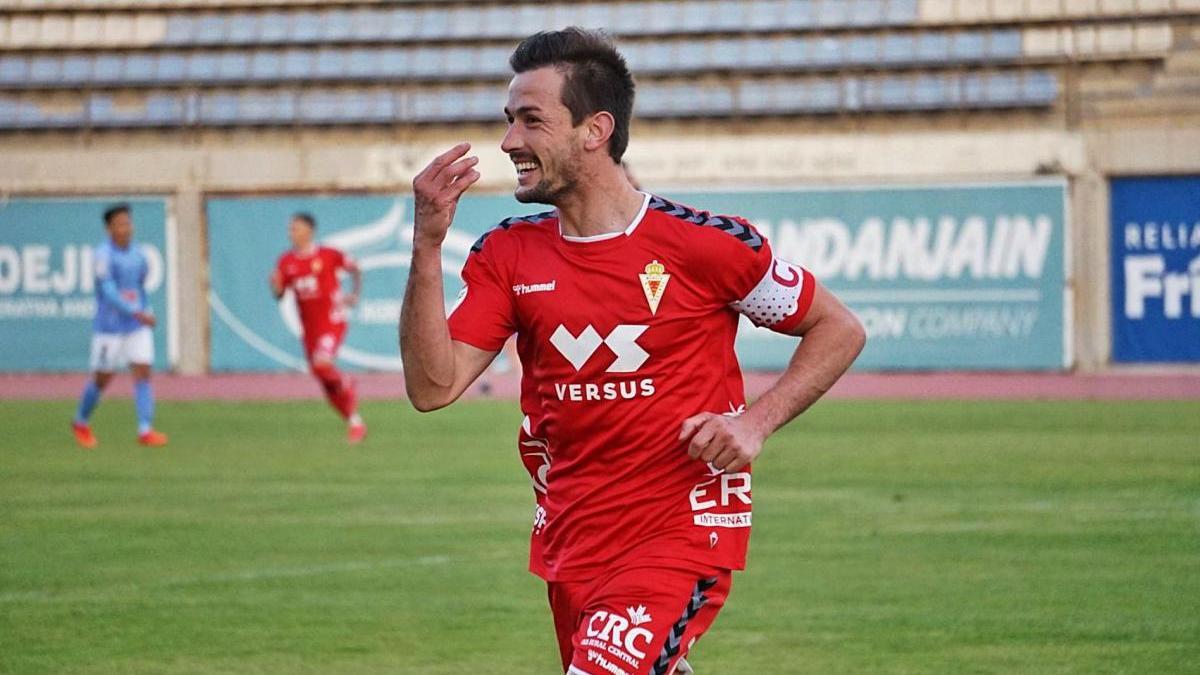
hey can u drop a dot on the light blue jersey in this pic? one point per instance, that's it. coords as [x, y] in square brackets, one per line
[120, 288]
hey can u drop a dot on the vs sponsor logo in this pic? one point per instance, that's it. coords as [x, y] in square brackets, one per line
[627, 357]
[622, 340]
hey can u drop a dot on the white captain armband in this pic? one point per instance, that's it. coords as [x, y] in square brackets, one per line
[781, 299]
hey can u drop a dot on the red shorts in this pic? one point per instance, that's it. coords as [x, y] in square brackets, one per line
[637, 620]
[323, 343]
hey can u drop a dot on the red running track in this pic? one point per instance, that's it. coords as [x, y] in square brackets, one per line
[912, 386]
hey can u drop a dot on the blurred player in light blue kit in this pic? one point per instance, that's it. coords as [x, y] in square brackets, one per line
[122, 330]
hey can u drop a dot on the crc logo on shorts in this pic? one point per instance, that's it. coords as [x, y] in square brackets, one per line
[627, 356]
[615, 641]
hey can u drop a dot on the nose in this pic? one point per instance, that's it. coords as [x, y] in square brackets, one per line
[512, 140]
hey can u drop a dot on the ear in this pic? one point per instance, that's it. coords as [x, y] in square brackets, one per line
[599, 128]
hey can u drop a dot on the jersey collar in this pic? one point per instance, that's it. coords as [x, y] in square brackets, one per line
[637, 220]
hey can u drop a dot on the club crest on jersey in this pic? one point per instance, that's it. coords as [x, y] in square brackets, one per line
[654, 283]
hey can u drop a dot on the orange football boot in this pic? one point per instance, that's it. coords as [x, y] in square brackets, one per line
[153, 439]
[84, 436]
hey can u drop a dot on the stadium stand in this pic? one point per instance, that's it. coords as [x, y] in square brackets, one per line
[207, 63]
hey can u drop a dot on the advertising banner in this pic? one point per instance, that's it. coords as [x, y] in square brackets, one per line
[1156, 269]
[47, 278]
[246, 236]
[957, 277]
[953, 277]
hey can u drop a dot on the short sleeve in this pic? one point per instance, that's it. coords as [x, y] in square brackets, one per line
[484, 315]
[102, 264]
[735, 257]
[771, 292]
[337, 259]
[281, 270]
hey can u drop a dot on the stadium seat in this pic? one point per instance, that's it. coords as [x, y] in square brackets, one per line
[331, 63]
[336, 26]
[861, 50]
[899, 49]
[211, 29]
[266, 66]
[307, 27]
[368, 25]
[274, 27]
[14, 70]
[45, 70]
[245, 31]
[968, 47]
[77, 70]
[1005, 44]
[867, 13]
[297, 64]
[233, 66]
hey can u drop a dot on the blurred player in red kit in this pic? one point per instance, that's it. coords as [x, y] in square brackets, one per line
[637, 435]
[311, 272]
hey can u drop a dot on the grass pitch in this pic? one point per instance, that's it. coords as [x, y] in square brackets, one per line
[889, 538]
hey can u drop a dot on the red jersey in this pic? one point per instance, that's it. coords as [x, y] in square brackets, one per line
[622, 337]
[314, 280]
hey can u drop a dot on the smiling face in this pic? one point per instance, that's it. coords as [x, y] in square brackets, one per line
[545, 147]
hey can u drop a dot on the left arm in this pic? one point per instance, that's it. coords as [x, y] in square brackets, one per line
[832, 339]
[355, 273]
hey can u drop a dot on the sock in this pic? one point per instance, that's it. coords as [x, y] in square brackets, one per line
[354, 420]
[144, 402]
[87, 402]
[340, 396]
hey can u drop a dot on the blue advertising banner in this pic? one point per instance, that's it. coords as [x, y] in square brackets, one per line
[47, 282]
[1156, 269]
[954, 277]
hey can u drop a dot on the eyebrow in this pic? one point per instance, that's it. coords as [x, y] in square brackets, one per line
[522, 109]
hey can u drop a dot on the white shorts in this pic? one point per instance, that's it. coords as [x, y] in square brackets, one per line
[114, 351]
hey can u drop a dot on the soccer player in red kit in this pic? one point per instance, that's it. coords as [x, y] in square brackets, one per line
[637, 435]
[311, 271]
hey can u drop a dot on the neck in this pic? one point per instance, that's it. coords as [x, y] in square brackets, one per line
[306, 248]
[605, 203]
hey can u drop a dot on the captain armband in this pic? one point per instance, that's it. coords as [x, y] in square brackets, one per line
[781, 299]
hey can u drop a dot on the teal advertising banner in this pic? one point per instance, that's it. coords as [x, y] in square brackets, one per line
[955, 277]
[948, 277]
[47, 282]
[246, 236]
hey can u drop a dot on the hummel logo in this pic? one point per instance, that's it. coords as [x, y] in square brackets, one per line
[522, 289]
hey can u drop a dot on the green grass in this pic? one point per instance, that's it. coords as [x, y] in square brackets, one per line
[889, 538]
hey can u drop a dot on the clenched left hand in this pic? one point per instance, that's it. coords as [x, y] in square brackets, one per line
[728, 443]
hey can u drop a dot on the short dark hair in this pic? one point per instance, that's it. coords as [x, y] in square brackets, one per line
[305, 218]
[595, 76]
[114, 211]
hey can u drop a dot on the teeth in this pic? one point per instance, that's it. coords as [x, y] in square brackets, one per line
[526, 166]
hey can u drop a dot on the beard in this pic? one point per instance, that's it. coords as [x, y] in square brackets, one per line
[548, 191]
[545, 192]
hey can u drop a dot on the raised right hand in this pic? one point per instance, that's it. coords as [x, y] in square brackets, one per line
[436, 191]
